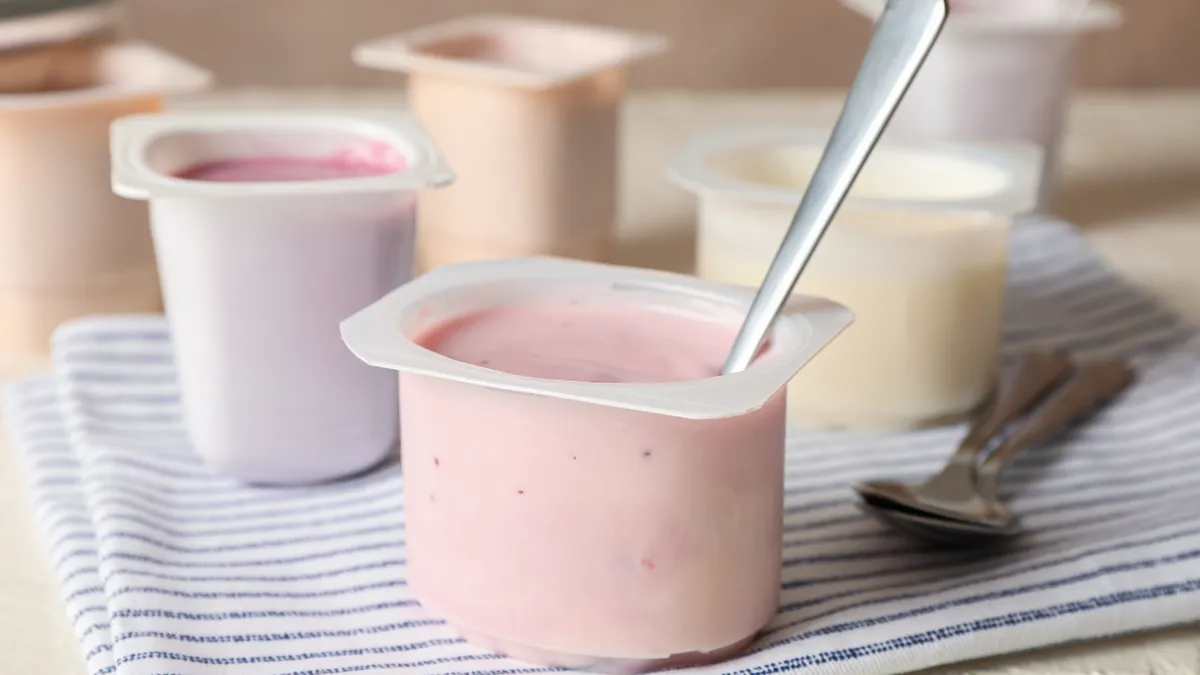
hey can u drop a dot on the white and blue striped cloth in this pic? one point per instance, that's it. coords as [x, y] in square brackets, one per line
[168, 568]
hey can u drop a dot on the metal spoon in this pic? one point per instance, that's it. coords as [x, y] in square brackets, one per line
[981, 518]
[903, 37]
[942, 532]
[1092, 383]
[952, 490]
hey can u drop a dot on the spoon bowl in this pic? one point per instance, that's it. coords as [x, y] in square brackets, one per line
[902, 497]
[936, 530]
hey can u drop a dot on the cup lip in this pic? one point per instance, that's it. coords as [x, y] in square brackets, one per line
[375, 336]
[1097, 15]
[401, 51]
[134, 178]
[1020, 161]
[27, 24]
[177, 77]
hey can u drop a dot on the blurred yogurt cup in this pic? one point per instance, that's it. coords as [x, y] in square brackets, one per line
[1001, 70]
[527, 111]
[53, 45]
[918, 252]
[569, 451]
[68, 246]
[269, 230]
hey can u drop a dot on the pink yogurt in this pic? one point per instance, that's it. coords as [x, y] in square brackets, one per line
[580, 535]
[288, 169]
[584, 344]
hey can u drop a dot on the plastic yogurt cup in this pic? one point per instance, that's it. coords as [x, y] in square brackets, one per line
[600, 522]
[528, 112]
[918, 252]
[1001, 70]
[269, 230]
[68, 246]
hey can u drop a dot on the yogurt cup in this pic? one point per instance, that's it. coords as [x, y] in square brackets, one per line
[918, 251]
[527, 111]
[68, 246]
[256, 276]
[1000, 71]
[53, 45]
[618, 527]
[28, 23]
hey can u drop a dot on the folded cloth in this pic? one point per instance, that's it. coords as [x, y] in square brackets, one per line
[167, 567]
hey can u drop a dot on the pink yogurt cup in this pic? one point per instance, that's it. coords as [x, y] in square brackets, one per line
[615, 527]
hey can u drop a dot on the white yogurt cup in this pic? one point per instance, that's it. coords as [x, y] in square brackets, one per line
[1000, 71]
[257, 275]
[918, 252]
[635, 525]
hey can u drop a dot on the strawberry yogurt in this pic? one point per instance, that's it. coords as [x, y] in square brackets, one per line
[287, 169]
[268, 230]
[582, 489]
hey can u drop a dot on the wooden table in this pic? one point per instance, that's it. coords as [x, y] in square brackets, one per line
[1131, 183]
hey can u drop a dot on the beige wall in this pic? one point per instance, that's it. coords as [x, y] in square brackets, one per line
[718, 43]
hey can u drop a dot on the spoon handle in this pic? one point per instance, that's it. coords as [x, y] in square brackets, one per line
[903, 37]
[1021, 386]
[1090, 384]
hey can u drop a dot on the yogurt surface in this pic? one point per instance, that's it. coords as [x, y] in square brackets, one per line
[284, 169]
[585, 343]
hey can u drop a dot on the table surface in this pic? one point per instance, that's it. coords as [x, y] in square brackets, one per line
[1131, 183]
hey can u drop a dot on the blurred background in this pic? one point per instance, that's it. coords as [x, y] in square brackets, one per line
[718, 43]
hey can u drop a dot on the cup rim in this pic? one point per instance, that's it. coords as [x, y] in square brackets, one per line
[1021, 162]
[376, 336]
[174, 76]
[28, 24]
[403, 51]
[134, 178]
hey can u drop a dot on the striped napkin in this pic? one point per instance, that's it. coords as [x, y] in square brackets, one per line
[169, 568]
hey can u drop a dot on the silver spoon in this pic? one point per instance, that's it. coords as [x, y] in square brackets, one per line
[982, 517]
[952, 489]
[1091, 383]
[943, 532]
[903, 37]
